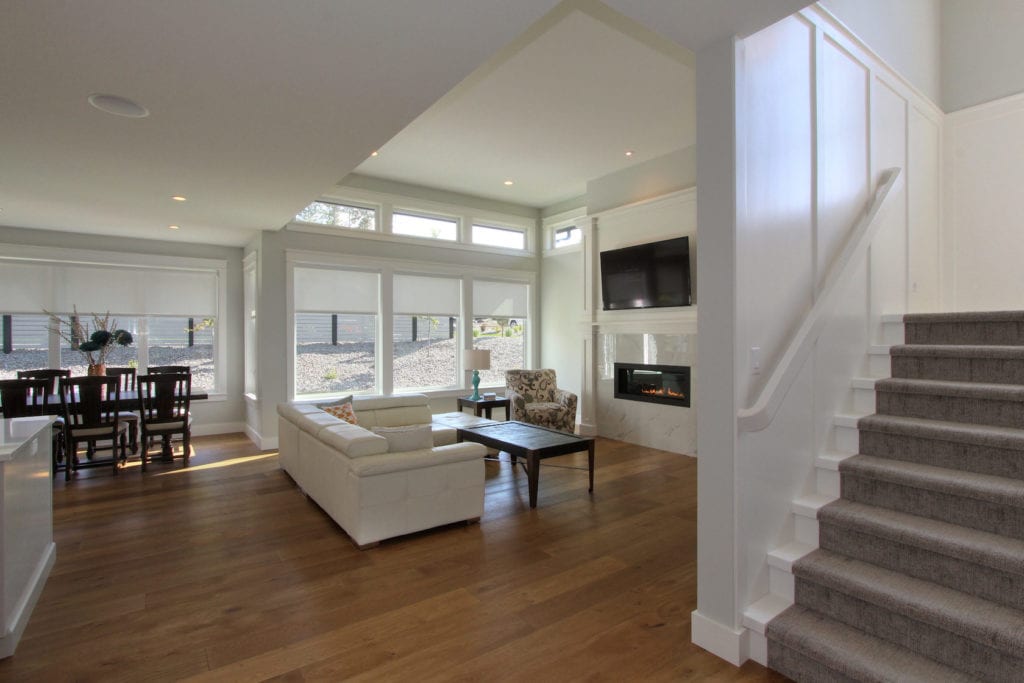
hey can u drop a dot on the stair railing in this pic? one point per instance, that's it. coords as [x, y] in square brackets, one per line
[762, 412]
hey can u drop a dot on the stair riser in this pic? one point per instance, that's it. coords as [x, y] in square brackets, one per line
[988, 370]
[943, 646]
[796, 666]
[999, 413]
[863, 401]
[949, 454]
[953, 572]
[968, 512]
[982, 333]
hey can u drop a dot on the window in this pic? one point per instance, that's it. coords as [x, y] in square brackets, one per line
[117, 356]
[424, 226]
[249, 326]
[426, 323]
[509, 238]
[568, 236]
[26, 343]
[335, 331]
[339, 215]
[500, 326]
[173, 340]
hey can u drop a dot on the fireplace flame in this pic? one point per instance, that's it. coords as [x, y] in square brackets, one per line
[662, 391]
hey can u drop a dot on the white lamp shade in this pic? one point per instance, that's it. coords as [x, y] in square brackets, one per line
[476, 359]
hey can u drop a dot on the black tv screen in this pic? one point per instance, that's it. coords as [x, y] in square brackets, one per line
[651, 275]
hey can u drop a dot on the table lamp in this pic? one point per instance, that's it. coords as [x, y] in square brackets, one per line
[477, 360]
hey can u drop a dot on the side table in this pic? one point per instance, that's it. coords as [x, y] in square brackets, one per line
[484, 405]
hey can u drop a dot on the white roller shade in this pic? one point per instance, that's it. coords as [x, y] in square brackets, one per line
[325, 290]
[500, 299]
[26, 287]
[419, 295]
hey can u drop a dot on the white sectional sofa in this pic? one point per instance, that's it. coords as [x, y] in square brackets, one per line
[374, 494]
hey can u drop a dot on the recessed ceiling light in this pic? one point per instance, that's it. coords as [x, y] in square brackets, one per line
[508, 182]
[629, 152]
[174, 227]
[373, 153]
[119, 106]
[179, 198]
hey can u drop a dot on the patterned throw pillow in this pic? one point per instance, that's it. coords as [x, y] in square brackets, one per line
[343, 411]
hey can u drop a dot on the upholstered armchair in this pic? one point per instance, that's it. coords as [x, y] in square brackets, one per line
[535, 398]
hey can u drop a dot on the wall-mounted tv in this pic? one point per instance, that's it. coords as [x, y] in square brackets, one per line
[651, 275]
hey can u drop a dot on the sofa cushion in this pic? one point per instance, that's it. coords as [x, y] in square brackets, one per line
[408, 438]
[292, 411]
[312, 423]
[427, 457]
[353, 441]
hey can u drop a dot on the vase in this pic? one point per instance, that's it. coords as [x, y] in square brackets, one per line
[98, 370]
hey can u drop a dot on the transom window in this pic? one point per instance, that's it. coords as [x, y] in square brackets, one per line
[567, 236]
[339, 215]
[431, 227]
[509, 238]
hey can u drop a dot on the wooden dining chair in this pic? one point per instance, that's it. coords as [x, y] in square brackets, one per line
[52, 378]
[127, 378]
[164, 401]
[24, 397]
[92, 408]
[170, 369]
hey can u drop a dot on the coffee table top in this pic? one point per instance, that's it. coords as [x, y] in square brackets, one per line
[527, 435]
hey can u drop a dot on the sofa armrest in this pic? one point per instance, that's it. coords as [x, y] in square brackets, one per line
[566, 399]
[354, 441]
[423, 458]
[517, 405]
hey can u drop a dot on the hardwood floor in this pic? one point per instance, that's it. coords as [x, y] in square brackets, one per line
[225, 571]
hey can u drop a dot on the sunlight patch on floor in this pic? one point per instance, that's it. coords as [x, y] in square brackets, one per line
[218, 465]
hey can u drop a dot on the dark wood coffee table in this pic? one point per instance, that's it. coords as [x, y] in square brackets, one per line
[533, 444]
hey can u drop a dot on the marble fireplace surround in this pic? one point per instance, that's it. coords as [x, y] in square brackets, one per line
[665, 427]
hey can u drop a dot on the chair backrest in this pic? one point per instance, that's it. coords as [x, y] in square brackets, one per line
[24, 397]
[538, 385]
[164, 397]
[169, 369]
[45, 373]
[90, 401]
[125, 375]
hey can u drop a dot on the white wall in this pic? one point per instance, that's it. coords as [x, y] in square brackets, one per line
[564, 328]
[818, 120]
[670, 172]
[982, 51]
[905, 34]
[982, 231]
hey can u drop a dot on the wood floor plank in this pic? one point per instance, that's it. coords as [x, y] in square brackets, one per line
[225, 572]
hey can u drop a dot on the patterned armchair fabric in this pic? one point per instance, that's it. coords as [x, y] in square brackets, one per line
[535, 399]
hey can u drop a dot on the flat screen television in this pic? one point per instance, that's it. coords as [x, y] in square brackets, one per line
[651, 275]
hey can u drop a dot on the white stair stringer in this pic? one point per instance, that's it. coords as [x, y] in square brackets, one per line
[757, 615]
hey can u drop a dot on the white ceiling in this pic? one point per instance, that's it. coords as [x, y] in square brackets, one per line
[258, 106]
[562, 108]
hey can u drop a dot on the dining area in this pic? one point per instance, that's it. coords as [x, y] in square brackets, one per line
[104, 420]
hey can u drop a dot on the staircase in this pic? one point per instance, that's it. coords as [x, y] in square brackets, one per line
[919, 571]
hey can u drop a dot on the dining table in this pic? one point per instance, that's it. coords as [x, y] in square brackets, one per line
[130, 401]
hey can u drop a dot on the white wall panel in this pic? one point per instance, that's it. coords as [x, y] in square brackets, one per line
[984, 237]
[923, 186]
[775, 215]
[842, 150]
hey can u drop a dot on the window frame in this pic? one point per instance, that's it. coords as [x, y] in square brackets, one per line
[491, 225]
[376, 209]
[416, 213]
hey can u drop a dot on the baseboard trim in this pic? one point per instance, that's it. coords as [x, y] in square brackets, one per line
[729, 644]
[264, 444]
[27, 601]
[212, 428]
[587, 429]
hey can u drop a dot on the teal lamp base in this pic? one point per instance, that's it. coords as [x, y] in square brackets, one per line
[476, 386]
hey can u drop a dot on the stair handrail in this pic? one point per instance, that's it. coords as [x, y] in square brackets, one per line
[759, 415]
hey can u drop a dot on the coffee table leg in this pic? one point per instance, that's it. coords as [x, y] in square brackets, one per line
[590, 463]
[534, 477]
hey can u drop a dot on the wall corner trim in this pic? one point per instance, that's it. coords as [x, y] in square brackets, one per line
[730, 644]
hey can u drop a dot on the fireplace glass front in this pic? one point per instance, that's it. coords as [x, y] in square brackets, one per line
[668, 384]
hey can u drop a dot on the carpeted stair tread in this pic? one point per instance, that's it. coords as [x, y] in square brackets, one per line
[966, 616]
[992, 489]
[963, 432]
[978, 547]
[936, 387]
[958, 351]
[965, 317]
[851, 653]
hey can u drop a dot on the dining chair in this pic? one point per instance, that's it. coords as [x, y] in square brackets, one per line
[164, 401]
[52, 378]
[24, 397]
[170, 369]
[92, 408]
[127, 378]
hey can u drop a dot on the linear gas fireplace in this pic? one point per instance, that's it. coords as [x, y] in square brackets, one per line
[669, 384]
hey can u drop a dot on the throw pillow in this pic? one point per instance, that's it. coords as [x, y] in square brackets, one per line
[340, 401]
[411, 438]
[343, 411]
